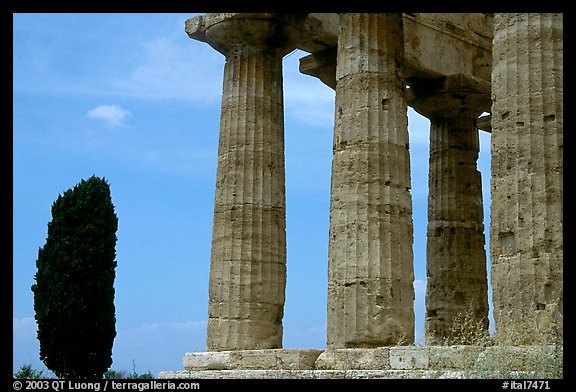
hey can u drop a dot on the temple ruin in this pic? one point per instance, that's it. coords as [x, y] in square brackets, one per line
[451, 68]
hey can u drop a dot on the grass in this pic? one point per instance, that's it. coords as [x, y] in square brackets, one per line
[27, 372]
[517, 350]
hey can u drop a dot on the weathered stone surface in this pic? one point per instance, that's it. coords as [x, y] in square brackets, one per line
[457, 282]
[435, 45]
[369, 59]
[370, 270]
[235, 32]
[314, 374]
[210, 360]
[294, 359]
[444, 44]
[354, 358]
[453, 357]
[409, 358]
[337, 374]
[248, 260]
[287, 359]
[526, 233]
[520, 358]
[381, 362]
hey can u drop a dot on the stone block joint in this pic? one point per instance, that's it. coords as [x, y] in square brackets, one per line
[451, 68]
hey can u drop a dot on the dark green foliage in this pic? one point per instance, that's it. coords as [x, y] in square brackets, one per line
[114, 374]
[74, 289]
[122, 375]
[27, 372]
[143, 376]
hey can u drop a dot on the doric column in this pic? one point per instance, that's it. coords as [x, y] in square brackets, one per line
[457, 283]
[526, 236]
[370, 262]
[248, 260]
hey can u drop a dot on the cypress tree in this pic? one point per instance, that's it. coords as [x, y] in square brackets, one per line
[74, 283]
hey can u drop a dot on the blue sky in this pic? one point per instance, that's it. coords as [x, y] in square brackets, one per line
[131, 98]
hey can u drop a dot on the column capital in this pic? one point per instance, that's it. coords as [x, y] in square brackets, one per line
[233, 33]
[449, 97]
[321, 65]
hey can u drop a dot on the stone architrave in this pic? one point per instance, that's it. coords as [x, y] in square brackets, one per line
[370, 261]
[248, 259]
[457, 283]
[526, 234]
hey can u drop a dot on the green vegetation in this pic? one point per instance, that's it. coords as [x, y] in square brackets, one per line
[26, 372]
[74, 289]
[467, 330]
[123, 375]
[514, 352]
[114, 374]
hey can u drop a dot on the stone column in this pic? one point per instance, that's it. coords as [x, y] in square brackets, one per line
[248, 260]
[526, 235]
[457, 283]
[370, 261]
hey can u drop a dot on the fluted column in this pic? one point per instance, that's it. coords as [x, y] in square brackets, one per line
[370, 270]
[457, 282]
[248, 260]
[526, 236]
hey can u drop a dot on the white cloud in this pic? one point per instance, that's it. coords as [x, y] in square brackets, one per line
[24, 327]
[168, 327]
[419, 310]
[419, 128]
[25, 345]
[167, 340]
[112, 115]
[306, 98]
[420, 288]
[419, 337]
[184, 161]
[174, 70]
[190, 325]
